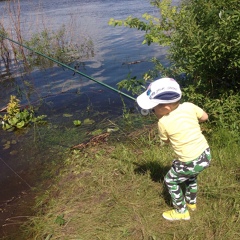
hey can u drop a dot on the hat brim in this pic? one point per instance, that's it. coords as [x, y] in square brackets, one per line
[145, 103]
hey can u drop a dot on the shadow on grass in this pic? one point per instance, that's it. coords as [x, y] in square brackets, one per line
[157, 174]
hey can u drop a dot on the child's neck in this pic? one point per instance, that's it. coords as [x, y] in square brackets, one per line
[173, 107]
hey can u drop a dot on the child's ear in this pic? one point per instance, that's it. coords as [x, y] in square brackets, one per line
[167, 107]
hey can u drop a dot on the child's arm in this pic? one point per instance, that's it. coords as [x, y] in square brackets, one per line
[204, 117]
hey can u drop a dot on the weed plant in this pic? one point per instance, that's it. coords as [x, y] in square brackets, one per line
[17, 118]
[116, 191]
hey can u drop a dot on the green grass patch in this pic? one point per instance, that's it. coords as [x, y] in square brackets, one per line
[115, 190]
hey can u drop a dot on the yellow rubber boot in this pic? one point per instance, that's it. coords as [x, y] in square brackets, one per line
[192, 207]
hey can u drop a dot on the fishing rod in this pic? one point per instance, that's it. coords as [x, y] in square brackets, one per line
[70, 68]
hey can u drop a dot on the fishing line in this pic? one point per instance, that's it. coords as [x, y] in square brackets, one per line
[70, 68]
[15, 173]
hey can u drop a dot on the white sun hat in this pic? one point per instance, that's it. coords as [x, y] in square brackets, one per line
[161, 91]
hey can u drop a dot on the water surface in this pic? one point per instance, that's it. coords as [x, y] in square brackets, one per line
[64, 94]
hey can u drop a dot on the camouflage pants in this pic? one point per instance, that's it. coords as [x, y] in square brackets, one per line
[186, 172]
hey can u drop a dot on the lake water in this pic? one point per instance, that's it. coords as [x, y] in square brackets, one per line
[66, 96]
[112, 46]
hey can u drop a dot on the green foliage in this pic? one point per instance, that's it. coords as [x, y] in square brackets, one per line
[206, 45]
[203, 50]
[203, 39]
[224, 111]
[17, 118]
[157, 29]
[131, 84]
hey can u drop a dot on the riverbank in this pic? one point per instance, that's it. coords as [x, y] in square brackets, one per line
[115, 190]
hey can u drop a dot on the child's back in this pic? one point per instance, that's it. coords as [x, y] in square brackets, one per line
[181, 127]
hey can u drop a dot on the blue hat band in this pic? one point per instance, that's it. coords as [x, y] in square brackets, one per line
[167, 96]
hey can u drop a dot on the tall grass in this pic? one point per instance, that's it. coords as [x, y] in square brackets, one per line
[116, 191]
[62, 44]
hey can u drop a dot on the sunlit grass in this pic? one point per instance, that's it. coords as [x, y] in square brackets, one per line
[116, 191]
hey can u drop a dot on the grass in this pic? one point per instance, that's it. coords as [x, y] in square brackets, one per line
[115, 190]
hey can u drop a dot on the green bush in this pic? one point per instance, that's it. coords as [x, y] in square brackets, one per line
[203, 40]
[205, 43]
[203, 51]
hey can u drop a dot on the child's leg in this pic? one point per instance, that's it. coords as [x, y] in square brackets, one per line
[172, 181]
[181, 172]
[191, 190]
[195, 167]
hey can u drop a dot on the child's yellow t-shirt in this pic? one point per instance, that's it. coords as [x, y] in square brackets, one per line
[181, 127]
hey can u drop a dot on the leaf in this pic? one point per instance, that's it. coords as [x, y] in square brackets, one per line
[77, 122]
[88, 121]
[14, 152]
[97, 132]
[20, 124]
[112, 129]
[7, 127]
[67, 115]
[6, 146]
[13, 121]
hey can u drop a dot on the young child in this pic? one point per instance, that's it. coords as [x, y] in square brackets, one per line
[179, 125]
